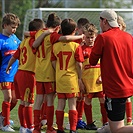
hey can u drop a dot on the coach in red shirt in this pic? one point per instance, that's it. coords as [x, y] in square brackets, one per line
[114, 48]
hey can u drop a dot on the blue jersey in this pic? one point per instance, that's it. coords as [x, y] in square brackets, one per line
[8, 46]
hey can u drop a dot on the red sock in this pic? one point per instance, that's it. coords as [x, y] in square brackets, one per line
[50, 117]
[37, 120]
[6, 112]
[73, 119]
[129, 111]
[80, 109]
[13, 104]
[43, 111]
[21, 115]
[60, 119]
[28, 117]
[88, 113]
[104, 114]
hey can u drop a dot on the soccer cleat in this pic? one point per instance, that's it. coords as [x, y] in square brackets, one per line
[1, 121]
[67, 126]
[44, 122]
[7, 128]
[59, 131]
[55, 126]
[53, 131]
[129, 123]
[104, 129]
[81, 124]
[71, 131]
[44, 127]
[91, 126]
[22, 130]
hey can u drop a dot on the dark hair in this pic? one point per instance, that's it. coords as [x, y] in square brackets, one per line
[68, 26]
[82, 21]
[53, 20]
[36, 24]
[10, 18]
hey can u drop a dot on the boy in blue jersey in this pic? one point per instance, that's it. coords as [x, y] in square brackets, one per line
[8, 45]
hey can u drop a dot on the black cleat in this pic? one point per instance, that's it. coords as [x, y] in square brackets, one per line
[91, 126]
[59, 131]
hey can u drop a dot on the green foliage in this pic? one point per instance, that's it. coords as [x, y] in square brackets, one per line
[19, 7]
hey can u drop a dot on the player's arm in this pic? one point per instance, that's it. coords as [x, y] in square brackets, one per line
[29, 33]
[79, 71]
[39, 40]
[79, 59]
[71, 37]
[99, 80]
[11, 61]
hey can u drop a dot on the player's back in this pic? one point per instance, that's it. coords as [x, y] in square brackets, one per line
[66, 73]
[44, 71]
[27, 57]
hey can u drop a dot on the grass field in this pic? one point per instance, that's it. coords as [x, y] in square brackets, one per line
[96, 116]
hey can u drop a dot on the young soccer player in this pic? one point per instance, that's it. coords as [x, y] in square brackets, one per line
[80, 24]
[24, 80]
[45, 76]
[8, 45]
[122, 26]
[91, 78]
[80, 101]
[67, 60]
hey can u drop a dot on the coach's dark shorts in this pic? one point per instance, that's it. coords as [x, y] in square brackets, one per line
[115, 108]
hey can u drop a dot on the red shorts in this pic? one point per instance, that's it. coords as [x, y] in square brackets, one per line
[24, 83]
[45, 87]
[7, 86]
[96, 94]
[67, 95]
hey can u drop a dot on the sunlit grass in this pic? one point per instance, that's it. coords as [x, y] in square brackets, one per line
[95, 107]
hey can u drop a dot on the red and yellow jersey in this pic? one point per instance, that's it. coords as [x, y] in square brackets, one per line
[44, 71]
[66, 54]
[26, 55]
[90, 73]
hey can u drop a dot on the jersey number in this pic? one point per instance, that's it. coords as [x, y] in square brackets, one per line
[24, 51]
[42, 50]
[60, 56]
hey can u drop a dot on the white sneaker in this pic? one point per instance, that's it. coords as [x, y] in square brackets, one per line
[22, 130]
[104, 129]
[7, 128]
[44, 122]
[1, 121]
[67, 126]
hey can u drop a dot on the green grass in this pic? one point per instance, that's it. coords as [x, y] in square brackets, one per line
[95, 107]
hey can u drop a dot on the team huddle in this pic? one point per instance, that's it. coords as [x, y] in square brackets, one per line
[71, 61]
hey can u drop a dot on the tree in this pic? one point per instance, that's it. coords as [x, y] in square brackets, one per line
[19, 7]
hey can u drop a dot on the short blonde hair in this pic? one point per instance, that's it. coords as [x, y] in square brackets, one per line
[121, 21]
